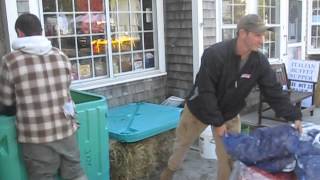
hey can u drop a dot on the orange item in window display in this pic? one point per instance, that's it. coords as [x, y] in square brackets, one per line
[98, 44]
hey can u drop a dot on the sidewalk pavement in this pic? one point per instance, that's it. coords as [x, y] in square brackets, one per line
[197, 168]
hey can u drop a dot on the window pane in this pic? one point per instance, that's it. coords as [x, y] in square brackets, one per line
[126, 64]
[82, 24]
[239, 11]
[116, 64]
[315, 34]
[85, 68]
[100, 66]
[98, 23]
[269, 11]
[84, 47]
[115, 43]
[65, 5]
[49, 5]
[232, 11]
[135, 5]
[50, 25]
[314, 31]
[135, 21]
[239, 1]
[295, 19]
[227, 14]
[97, 5]
[81, 5]
[123, 5]
[113, 5]
[136, 41]
[138, 61]
[114, 22]
[315, 4]
[271, 45]
[228, 34]
[99, 44]
[147, 25]
[65, 24]
[74, 70]
[147, 4]
[124, 22]
[125, 43]
[314, 42]
[149, 63]
[315, 11]
[148, 40]
[68, 46]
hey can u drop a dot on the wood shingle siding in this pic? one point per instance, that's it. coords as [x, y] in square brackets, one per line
[150, 90]
[209, 22]
[178, 27]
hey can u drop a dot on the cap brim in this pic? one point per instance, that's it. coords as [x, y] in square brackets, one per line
[262, 29]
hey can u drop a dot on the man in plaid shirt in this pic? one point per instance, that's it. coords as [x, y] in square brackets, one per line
[35, 80]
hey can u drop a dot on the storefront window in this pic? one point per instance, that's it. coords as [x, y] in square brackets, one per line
[269, 11]
[314, 27]
[232, 11]
[81, 29]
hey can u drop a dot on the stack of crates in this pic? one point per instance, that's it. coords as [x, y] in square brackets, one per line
[92, 138]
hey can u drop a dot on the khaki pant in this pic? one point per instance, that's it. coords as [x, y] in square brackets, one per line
[188, 131]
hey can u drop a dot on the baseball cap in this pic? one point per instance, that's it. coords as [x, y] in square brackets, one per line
[252, 23]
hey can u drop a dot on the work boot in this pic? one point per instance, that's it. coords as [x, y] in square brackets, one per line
[166, 174]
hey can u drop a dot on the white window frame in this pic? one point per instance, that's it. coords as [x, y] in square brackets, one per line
[197, 35]
[310, 49]
[251, 8]
[10, 12]
[159, 70]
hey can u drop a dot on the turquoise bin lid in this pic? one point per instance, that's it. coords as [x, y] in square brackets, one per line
[137, 121]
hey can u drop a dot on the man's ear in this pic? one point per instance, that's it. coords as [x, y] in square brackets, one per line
[20, 33]
[243, 33]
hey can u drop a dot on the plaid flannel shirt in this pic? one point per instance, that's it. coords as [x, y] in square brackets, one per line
[39, 87]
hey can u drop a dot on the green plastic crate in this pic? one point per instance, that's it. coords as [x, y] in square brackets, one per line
[92, 138]
[245, 128]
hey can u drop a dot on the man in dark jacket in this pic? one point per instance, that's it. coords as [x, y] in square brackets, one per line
[228, 72]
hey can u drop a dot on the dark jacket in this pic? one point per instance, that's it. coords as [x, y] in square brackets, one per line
[221, 87]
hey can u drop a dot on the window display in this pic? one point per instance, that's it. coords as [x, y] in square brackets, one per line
[81, 30]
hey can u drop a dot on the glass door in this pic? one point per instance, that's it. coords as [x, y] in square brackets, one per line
[287, 17]
[269, 11]
[296, 29]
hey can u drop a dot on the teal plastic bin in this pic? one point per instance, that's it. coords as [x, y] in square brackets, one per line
[92, 138]
[11, 165]
[136, 121]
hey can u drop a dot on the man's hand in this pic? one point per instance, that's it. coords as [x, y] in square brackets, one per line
[221, 130]
[298, 125]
